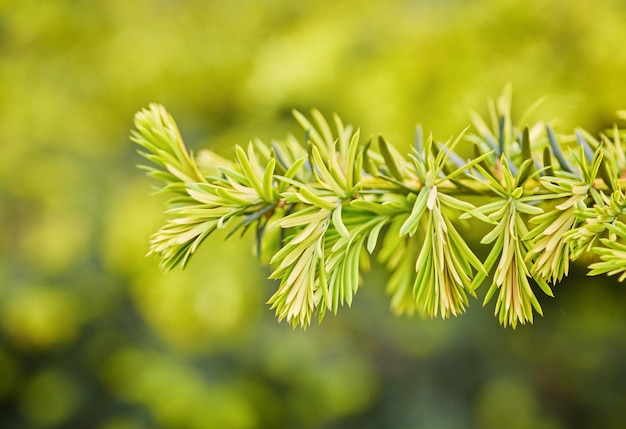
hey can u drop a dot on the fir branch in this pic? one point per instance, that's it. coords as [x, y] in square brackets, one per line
[321, 207]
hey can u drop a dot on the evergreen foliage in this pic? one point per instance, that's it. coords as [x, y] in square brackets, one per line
[320, 208]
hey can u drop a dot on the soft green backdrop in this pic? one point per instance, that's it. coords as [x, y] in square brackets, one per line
[93, 335]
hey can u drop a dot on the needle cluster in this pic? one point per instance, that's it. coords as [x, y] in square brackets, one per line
[322, 207]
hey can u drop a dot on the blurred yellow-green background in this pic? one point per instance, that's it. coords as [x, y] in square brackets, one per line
[93, 335]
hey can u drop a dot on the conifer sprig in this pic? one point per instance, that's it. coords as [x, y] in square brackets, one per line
[322, 206]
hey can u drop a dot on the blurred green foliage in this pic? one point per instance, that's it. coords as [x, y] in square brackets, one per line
[93, 335]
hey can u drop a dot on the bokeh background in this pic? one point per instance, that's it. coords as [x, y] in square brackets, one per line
[93, 335]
